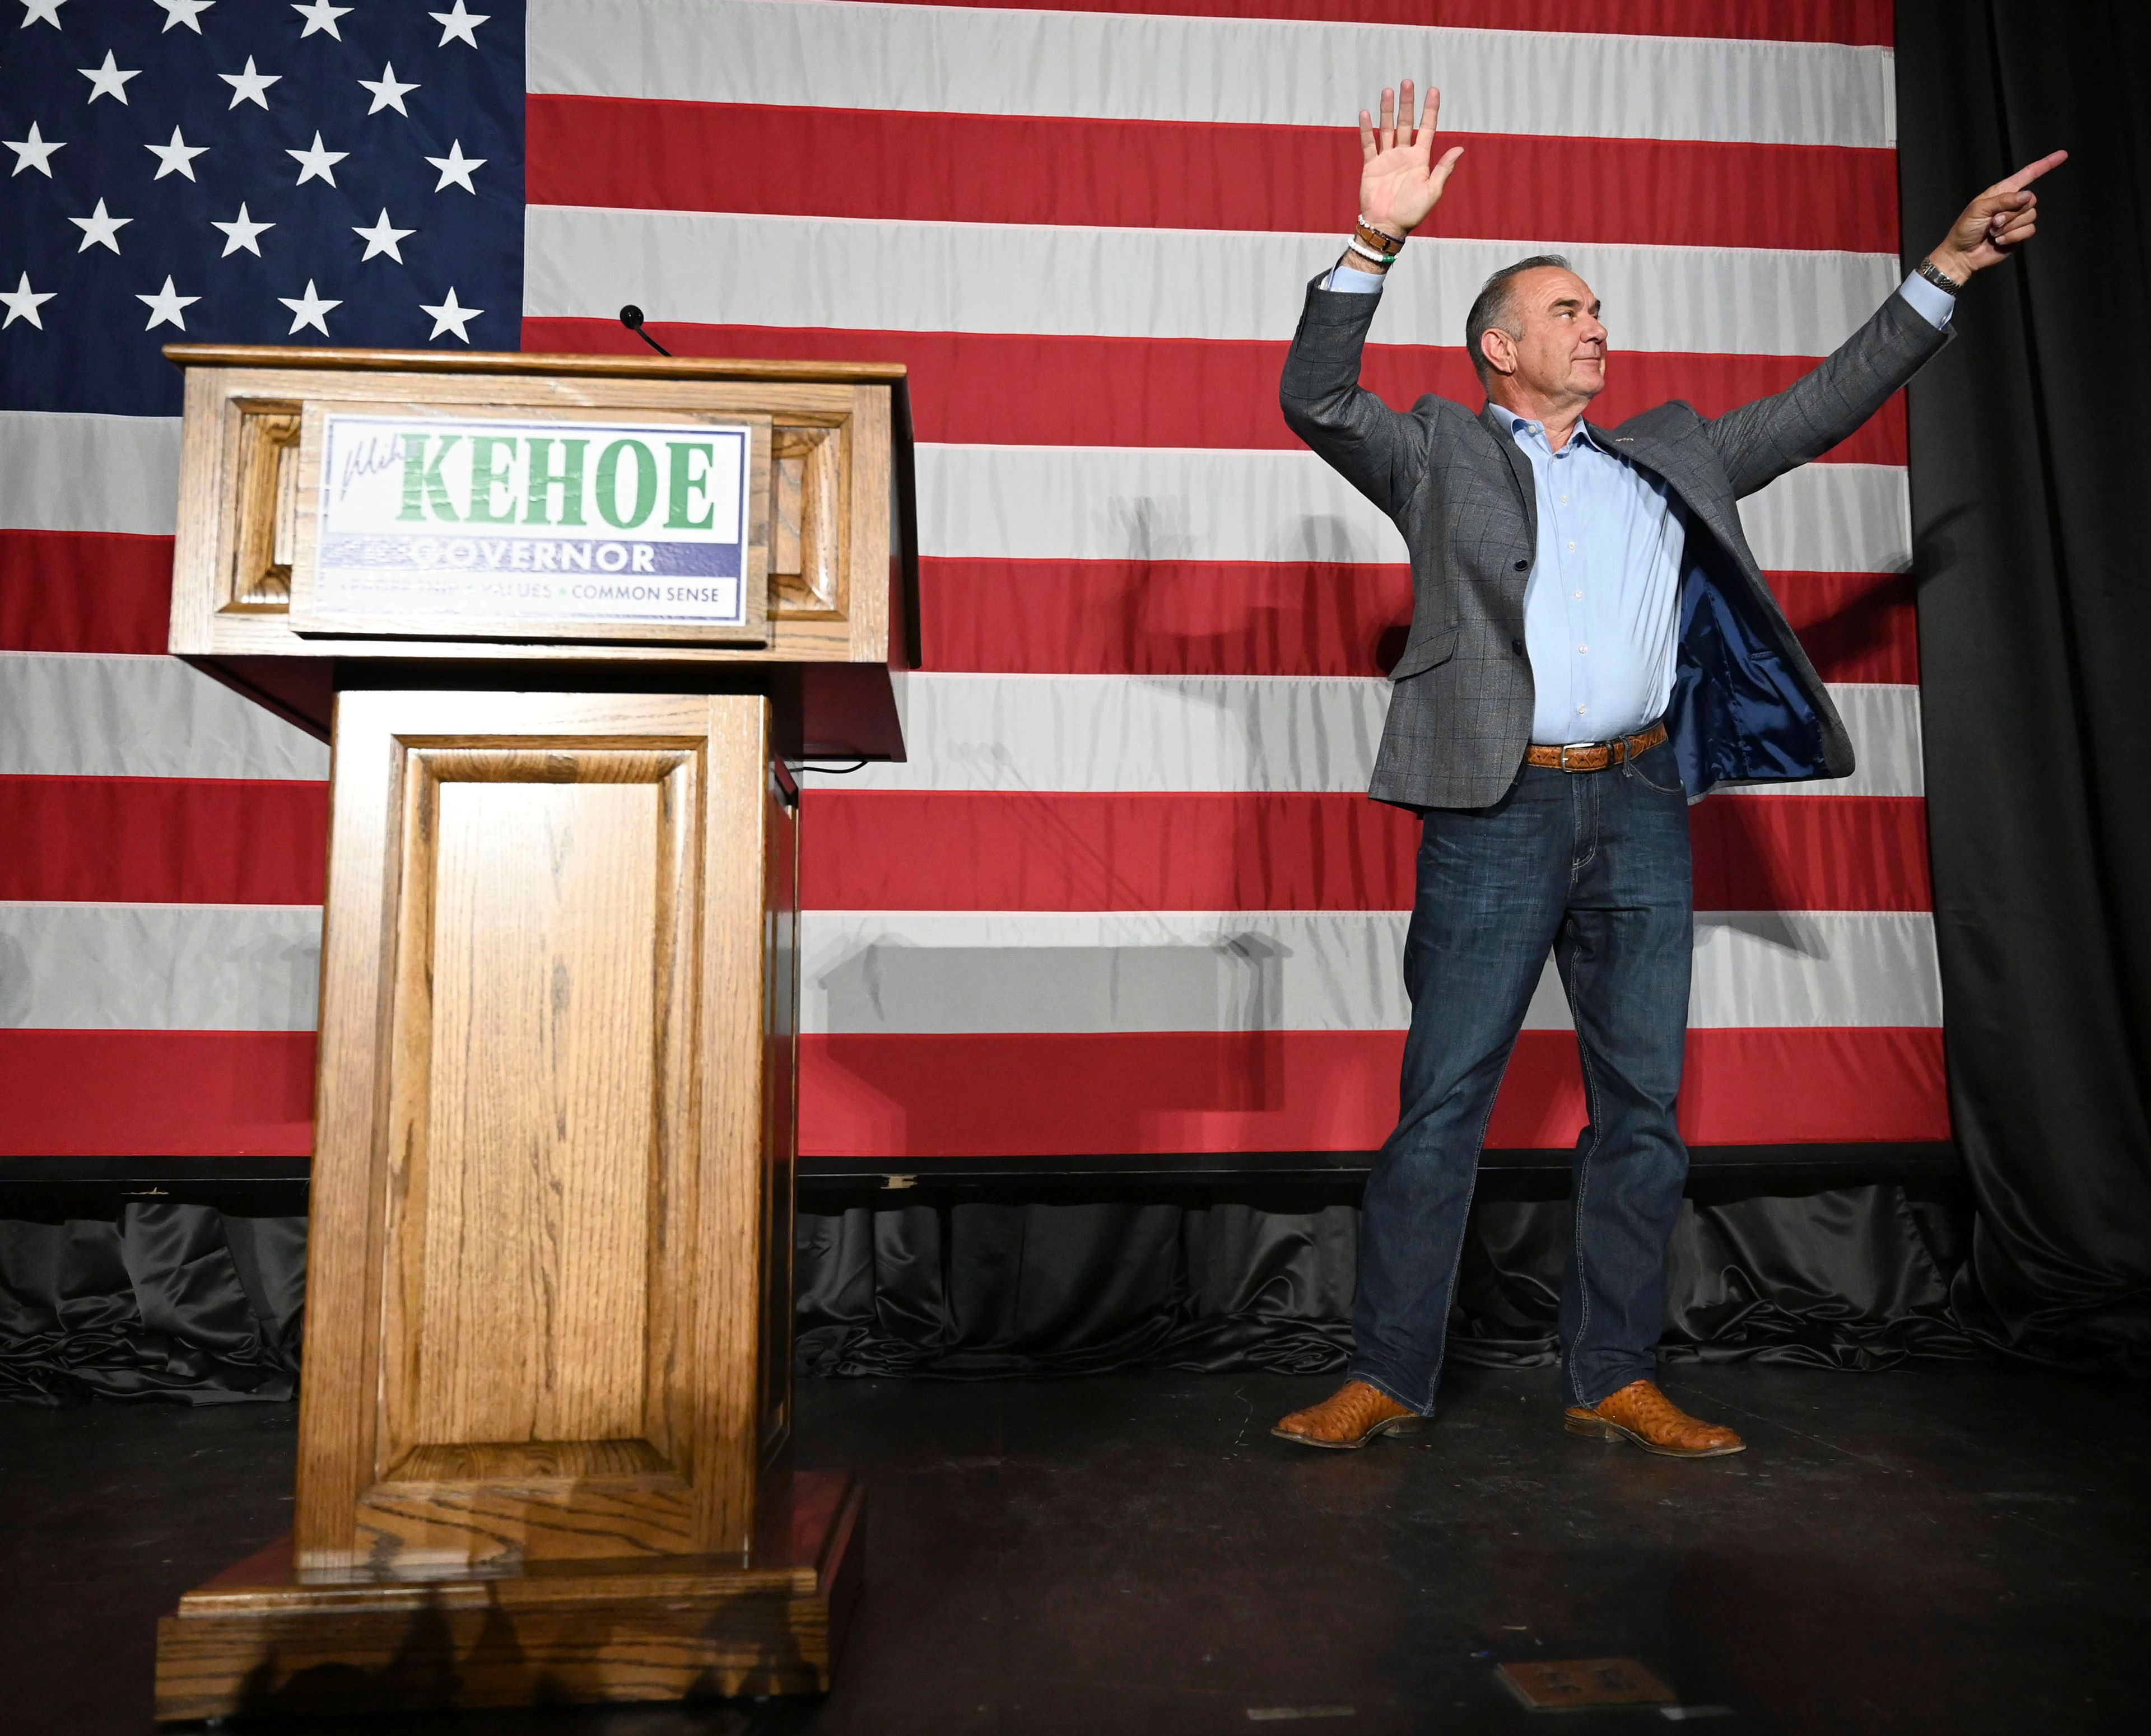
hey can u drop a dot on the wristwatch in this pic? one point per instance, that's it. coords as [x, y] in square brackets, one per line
[1940, 279]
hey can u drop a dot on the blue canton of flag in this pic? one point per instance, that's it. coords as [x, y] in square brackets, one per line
[251, 171]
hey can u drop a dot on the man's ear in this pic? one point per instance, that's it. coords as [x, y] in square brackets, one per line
[1499, 349]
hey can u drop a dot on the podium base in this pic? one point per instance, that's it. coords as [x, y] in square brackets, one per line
[259, 1641]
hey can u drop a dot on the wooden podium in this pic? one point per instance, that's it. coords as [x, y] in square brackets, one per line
[566, 619]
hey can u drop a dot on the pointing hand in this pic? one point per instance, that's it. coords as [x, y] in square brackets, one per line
[1995, 224]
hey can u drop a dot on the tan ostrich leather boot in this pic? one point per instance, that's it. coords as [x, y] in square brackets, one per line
[1350, 1417]
[1641, 1413]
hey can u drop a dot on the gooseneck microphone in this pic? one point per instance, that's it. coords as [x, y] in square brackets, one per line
[631, 316]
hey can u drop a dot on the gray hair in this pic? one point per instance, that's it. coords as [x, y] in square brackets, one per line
[1496, 308]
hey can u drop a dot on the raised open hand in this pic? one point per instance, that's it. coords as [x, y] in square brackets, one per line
[1399, 184]
[1995, 224]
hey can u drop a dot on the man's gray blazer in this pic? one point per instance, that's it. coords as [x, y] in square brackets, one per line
[1748, 706]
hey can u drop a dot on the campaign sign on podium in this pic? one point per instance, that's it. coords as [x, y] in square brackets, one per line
[535, 526]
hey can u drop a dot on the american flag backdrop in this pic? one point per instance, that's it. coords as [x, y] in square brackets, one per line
[1127, 895]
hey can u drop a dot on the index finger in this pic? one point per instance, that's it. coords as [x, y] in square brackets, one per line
[2032, 171]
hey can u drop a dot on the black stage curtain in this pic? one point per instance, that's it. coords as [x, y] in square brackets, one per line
[190, 1303]
[1853, 1277]
[160, 1300]
[2030, 521]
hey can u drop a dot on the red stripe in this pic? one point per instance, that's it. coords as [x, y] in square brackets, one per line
[1854, 626]
[246, 1093]
[1298, 618]
[154, 841]
[1865, 22]
[85, 591]
[924, 1097]
[1181, 391]
[157, 1093]
[1163, 618]
[1811, 853]
[957, 850]
[893, 165]
[163, 840]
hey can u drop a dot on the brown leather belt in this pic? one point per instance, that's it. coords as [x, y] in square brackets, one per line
[1596, 755]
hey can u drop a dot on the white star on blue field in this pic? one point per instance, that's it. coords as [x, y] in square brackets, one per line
[250, 171]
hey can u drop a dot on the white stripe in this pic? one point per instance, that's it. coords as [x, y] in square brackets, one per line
[139, 717]
[879, 274]
[1022, 733]
[1255, 733]
[975, 61]
[255, 967]
[1832, 518]
[916, 972]
[61, 471]
[160, 966]
[1883, 721]
[1776, 968]
[1066, 502]
[1115, 503]
[153, 717]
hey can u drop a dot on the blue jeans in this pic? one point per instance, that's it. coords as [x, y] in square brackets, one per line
[1593, 865]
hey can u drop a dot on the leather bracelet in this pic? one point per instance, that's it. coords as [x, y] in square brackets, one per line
[1939, 278]
[1379, 261]
[1387, 246]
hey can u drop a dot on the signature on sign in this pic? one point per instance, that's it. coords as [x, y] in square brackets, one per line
[367, 456]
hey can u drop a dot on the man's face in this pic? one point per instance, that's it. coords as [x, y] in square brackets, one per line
[1562, 352]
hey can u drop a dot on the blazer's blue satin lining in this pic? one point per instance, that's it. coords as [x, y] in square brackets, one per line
[1738, 714]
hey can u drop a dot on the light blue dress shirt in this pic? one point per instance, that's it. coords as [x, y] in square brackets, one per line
[1602, 607]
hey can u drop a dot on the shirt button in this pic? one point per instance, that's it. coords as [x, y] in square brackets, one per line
[1582, 710]
[1564, 499]
[1581, 650]
[1571, 548]
[1516, 646]
[1579, 596]
[1523, 566]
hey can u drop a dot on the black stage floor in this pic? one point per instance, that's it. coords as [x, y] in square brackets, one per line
[1946, 1548]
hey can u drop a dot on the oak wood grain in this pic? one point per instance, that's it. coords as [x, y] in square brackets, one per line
[727, 1232]
[502, 1461]
[265, 506]
[557, 1095]
[806, 519]
[452, 1525]
[210, 501]
[544, 966]
[339, 1392]
[869, 501]
[652, 366]
[263, 1640]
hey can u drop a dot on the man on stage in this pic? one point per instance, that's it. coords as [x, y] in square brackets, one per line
[1593, 647]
